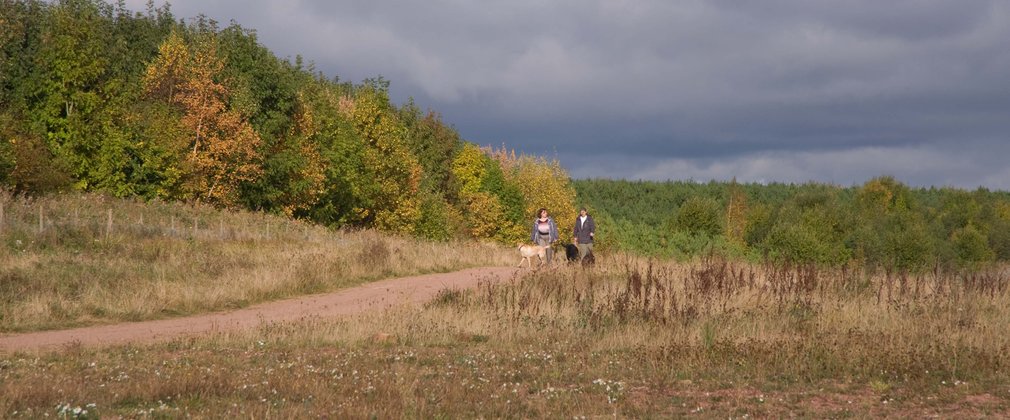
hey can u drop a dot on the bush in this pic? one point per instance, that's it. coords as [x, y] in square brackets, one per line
[972, 247]
[699, 216]
[685, 246]
[434, 220]
[900, 241]
[811, 235]
[36, 170]
[999, 239]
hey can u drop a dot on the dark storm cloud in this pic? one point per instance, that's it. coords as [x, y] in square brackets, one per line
[774, 90]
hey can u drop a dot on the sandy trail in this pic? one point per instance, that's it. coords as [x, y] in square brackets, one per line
[371, 296]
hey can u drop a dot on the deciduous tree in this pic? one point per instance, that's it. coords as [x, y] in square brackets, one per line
[222, 146]
[394, 204]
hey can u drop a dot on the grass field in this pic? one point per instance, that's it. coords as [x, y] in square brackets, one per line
[627, 338]
[79, 260]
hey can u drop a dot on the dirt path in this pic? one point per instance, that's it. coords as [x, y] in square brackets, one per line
[372, 296]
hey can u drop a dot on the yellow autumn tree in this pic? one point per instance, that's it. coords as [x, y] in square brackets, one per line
[482, 211]
[169, 68]
[882, 195]
[221, 145]
[482, 214]
[468, 168]
[543, 183]
[1002, 210]
[395, 203]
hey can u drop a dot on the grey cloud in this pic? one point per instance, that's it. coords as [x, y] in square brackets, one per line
[929, 165]
[707, 84]
[911, 20]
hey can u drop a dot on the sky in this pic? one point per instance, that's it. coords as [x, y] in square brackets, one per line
[762, 91]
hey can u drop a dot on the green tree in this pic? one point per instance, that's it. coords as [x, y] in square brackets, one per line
[891, 233]
[972, 247]
[760, 219]
[699, 216]
[736, 214]
[810, 228]
[293, 167]
[999, 239]
[437, 218]
[512, 225]
[7, 161]
[958, 209]
[905, 243]
[434, 143]
[26, 164]
[64, 85]
[153, 155]
[348, 187]
[395, 204]
[281, 102]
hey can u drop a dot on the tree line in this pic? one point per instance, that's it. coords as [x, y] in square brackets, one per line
[95, 97]
[880, 224]
[98, 98]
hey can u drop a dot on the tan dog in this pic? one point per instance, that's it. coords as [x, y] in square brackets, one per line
[528, 251]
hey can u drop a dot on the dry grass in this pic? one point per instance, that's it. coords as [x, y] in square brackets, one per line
[92, 260]
[628, 338]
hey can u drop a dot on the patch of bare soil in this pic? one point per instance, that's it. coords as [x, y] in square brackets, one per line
[372, 296]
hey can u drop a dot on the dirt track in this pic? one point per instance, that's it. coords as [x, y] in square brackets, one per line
[372, 296]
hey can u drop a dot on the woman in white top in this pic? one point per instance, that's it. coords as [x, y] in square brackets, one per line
[545, 232]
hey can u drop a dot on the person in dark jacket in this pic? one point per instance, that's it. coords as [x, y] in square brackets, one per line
[545, 232]
[585, 229]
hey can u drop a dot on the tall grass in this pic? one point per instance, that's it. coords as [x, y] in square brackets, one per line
[71, 260]
[628, 338]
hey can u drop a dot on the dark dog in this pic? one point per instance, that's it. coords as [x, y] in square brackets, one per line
[589, 260]
[572, 252]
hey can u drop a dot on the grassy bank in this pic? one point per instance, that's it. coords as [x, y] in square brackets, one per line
[627, 338]
[72, 260]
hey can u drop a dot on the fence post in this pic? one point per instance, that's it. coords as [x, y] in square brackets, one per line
[41, 220]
